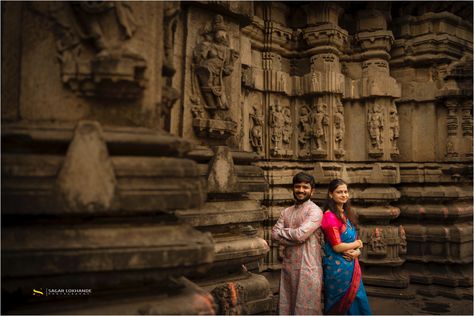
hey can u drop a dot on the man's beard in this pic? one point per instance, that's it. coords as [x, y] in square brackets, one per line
[301, 201]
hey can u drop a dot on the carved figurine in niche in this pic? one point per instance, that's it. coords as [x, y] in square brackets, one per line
[377, 245]
[320, 124]
[213, 60]
[403, 240]
[394, 128]
[91, 41]
[281, 129]
[339, 129]
[376, 125]
[91, 14]
[288, 128]
[256, 132]
[282, 83]
[315, 82]
[304, 137]
[277, 123]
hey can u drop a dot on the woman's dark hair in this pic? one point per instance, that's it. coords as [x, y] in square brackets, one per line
[330, 205]
[304, 177]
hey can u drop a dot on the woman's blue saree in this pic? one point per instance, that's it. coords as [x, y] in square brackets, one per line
[344, 291]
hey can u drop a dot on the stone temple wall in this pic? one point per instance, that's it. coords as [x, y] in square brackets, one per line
[148, 148]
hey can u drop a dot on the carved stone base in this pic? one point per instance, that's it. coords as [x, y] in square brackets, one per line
[339, 153]
[319, 153]
[211, 128]
[375, 153]
[276, 152]
[106, 76]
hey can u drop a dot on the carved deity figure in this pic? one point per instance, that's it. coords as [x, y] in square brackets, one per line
[315, 82]
[339, 126]
[403, 240]
[377, 245]
[90, 14]
[277, 123]
[394, 127]
[213, 60]
[304, 130]
[256, 132]
[288, 127]
[281, 127]
[375, 125]
[320, 125]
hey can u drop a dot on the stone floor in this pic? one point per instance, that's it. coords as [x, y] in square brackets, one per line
[421, 306]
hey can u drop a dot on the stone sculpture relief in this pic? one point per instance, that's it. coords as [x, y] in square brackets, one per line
[452, 127]
[98, 29]
[320, 122]
[376, 127]
[339, 129]
[305, 132]
[256, 131]
[170, 95]
[281, 130]
[394, 130]
[467, 118]
[377, 245]
[213, 60]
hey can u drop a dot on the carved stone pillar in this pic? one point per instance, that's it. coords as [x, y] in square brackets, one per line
[325, 82]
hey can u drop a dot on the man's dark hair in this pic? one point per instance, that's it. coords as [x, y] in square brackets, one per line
[304, 177]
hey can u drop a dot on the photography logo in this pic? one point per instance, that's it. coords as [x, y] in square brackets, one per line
[61, 292]
[38, 292]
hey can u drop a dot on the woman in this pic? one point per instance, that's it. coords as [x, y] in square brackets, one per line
[344, 291]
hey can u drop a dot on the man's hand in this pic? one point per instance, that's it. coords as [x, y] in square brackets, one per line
[350, 255]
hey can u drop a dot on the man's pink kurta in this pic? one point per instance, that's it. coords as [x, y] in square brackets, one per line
[298, 230]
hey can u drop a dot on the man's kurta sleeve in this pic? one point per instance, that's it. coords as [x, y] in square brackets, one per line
[309, 226]
[278, 229]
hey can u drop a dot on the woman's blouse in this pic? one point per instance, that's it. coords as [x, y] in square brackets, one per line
[332, 228]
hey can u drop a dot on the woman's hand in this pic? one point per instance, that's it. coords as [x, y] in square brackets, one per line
[350, 255]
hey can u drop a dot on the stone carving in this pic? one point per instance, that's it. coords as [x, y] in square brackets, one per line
[339, 129]
[394, 130]
[315, 81]
[114, 71]
[230, 299]
[170, 16]
[467, 118]
[377, 245]
[305, 131]
[320, 122]
[170, 20]
[281, 130]
[376, 126]
[256, 132]
[281, 83]
[213, 60]
[452, 128]
[87, 181]
[403, 240]
[247, 77]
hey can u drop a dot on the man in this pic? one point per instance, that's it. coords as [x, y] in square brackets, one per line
[298, 231]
